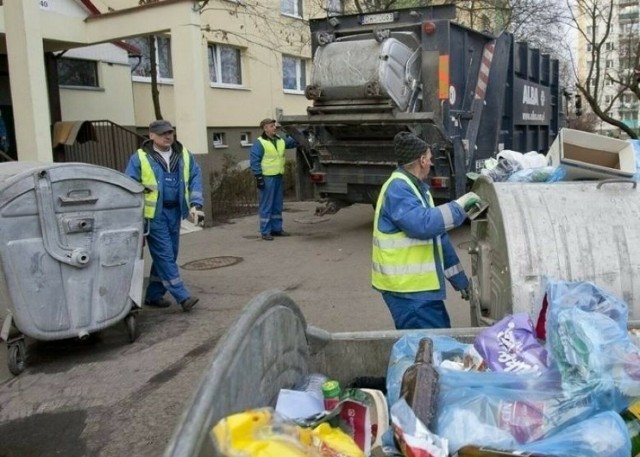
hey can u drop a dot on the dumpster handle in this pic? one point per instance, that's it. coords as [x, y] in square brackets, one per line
[615, 180]
[76, 257]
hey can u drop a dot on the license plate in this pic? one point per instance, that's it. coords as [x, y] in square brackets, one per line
[381, 18]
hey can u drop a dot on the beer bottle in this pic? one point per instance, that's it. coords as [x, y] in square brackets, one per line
[631, 417]
[420, 384]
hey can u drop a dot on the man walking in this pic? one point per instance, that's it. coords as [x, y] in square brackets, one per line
[412, 254]
[267, 165]
[174, 192]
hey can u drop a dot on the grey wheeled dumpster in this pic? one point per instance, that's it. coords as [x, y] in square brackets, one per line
[574, 231]
[270, 347]
[70, 250]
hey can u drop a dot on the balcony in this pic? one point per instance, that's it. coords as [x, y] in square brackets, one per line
[623, 3]
[628, 15]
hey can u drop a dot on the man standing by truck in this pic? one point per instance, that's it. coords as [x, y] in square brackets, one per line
[412, 254]
[267, 164]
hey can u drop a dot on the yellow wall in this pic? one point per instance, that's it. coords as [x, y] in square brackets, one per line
[112, 101]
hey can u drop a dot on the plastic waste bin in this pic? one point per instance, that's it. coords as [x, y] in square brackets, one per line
[70, 250]
[575, 231]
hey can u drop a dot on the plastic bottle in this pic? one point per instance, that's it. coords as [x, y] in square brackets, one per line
[331, 394]
[420, 384]
[477, 451]
[631, 417]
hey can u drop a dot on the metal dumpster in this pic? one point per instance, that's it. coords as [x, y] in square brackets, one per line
[70, 250]
[271, 347]
[574, 231]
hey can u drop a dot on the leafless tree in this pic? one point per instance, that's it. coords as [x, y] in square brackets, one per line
[609, 75]
[155, 93]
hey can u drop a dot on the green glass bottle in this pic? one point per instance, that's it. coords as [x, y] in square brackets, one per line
[631, 417]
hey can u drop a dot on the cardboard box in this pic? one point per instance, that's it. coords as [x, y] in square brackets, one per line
[590, 156]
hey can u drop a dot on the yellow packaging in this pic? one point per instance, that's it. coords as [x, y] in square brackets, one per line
[256, 433]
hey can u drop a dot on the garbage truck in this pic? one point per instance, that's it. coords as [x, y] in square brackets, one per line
[469, 94]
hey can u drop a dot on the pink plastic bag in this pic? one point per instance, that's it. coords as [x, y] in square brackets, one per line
[510, 345]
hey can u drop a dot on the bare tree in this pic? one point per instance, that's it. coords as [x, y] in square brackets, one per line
[607, 78]
[155, 93]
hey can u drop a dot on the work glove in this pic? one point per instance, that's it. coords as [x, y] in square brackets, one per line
[260, 182]
[196, 215]
[465, 294]
[468, 200]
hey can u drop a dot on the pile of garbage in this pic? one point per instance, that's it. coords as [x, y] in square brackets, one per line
[564, 386]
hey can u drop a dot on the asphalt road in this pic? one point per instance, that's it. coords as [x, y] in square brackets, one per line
[106, 397]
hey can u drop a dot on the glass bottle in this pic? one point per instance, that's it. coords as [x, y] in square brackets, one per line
[420, 384]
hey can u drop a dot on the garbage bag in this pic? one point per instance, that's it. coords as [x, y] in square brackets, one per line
[403, 354]
[509, 415]
[503, 170]
[588, 340]
[540, 174]
[604, 434]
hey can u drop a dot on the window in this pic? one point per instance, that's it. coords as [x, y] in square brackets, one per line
[608, 46]
[607, 99]
[334, 7]
[291, 7]
[608, 82]
[609, 64]
[219, 140]
[589, 47]
[76, 72]
[225, 66]
[294, 74]
[141, 65]
[245, 139]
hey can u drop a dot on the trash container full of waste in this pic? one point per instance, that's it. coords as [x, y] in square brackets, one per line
[71, 237]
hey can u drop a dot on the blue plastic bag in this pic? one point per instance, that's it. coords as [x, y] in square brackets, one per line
[603, 435]
[636, 151]
[507, 409]
[588, 340]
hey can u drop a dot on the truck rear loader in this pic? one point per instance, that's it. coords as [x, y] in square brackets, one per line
[469, 94]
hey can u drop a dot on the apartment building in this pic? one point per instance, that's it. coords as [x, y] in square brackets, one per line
[616, 57]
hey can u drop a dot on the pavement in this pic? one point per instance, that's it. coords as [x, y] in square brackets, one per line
[107, 397]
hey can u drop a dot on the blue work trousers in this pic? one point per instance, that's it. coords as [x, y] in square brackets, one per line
[163, 241]
[410, 313]
[271, 204]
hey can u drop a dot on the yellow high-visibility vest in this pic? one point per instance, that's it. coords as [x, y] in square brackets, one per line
[399, 263]
[148, 179]
[273, 159]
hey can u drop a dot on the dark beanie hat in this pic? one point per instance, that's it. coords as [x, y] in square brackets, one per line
[408, 147]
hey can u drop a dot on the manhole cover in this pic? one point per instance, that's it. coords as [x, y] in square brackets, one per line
[212, 262]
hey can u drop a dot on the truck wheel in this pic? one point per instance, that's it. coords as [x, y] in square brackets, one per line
[17, 357]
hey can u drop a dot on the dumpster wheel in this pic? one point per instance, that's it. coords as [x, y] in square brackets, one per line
[132, 328]
[17, 357]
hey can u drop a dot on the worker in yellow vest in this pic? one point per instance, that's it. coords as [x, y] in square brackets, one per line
[174, 192]
[412, 254]
[267, 165]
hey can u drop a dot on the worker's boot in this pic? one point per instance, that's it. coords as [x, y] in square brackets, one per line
[188, 303]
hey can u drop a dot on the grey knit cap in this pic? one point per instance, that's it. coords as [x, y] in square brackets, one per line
[408, 147]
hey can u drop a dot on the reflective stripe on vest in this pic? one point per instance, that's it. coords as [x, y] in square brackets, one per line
[149, 180]
[273, 159]
[400, 263]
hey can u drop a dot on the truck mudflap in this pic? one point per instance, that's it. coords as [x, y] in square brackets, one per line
[269, 347]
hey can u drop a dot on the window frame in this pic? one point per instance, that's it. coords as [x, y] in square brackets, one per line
[298, 8]
[159, 60]
[96, 73]
[247, 141]
[301, 64]
[223, 140]
[216, 48]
